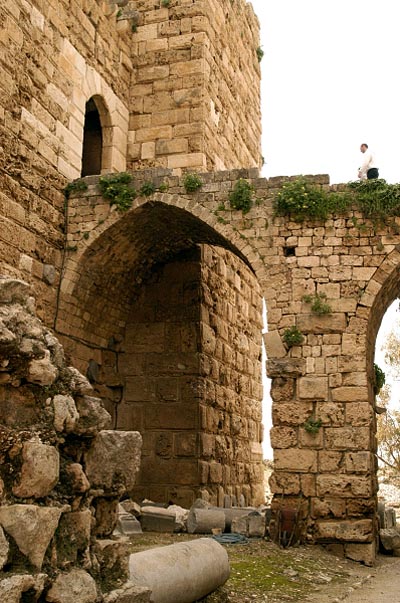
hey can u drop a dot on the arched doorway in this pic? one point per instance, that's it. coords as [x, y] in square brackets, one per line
[169, 317]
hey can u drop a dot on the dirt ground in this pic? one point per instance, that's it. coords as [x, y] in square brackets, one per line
[262, 572]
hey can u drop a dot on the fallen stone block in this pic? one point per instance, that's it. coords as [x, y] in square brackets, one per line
[127, 523]
[390, 539]
[251, 525]
[204, 521]
[181, 573]
[157, 520]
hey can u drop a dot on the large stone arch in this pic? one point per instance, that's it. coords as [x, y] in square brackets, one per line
[328, 478]
[165, 316]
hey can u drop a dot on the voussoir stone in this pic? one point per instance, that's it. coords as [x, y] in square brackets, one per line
[75, 587]
[40, 470]
[114, 459]
[31, 527]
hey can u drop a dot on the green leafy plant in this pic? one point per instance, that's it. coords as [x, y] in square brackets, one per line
[75, 187]
[163, 187]
[301, 200]
[292, 336]
[312, 425]
[260, 54]
[192, 183]
[147, 189]
[376, 198]
[117, 189]
[165, 3]
[318, 303]
[380, 379]
[242, 196]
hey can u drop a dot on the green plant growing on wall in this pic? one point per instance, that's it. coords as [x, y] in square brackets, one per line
[147, 189]
[163, 187]
[312, 425]
[242, 196]
[301, 200]
[192, 183]
[318, 303]
[292, 336]
[260, 54]
[75, 187]
[377, 199]
[165, 3]
[379, 379]
[117, 189]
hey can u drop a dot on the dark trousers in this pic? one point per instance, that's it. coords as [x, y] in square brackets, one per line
[372, 173]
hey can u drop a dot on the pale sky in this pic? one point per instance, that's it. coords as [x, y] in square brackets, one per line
[329, 83]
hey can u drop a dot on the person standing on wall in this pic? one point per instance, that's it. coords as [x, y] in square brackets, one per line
[368, 169]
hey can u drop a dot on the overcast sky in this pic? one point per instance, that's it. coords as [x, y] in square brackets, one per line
[329, 82]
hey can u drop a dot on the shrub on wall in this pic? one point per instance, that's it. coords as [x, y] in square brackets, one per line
[117, 188]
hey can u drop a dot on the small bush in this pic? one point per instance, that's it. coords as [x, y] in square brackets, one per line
[318, 303]
[147, 189]
[380, 379]
[117, 189]
[242, 196]
[312, 425]
[192, 183]
[260, 54]
[301, 200]
[292, 336]
[75, 187]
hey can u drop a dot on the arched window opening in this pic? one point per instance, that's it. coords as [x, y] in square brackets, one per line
[92, 141]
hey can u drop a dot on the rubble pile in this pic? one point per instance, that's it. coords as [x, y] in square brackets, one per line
[62, 471]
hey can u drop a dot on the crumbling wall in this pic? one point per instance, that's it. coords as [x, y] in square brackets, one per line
[62, 470]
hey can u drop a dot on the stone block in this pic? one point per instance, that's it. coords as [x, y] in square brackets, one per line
[157, 520]
[273, 345]
[39, 472]
[32, 529]
[350, 531]
[113, 460]
[315, 388]
[76, 586]
[326, 323]
[294, 459]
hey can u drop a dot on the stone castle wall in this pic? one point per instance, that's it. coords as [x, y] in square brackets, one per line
[329, 476]
[171, 93]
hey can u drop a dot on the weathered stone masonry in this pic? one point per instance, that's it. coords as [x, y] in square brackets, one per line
[330, 476]
[182, 93]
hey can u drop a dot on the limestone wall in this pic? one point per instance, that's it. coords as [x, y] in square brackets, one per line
[157, 76]
[328, 476]
[196, 98]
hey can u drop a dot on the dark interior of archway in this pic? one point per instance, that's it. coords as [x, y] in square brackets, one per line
[92, 141]
[125, 257]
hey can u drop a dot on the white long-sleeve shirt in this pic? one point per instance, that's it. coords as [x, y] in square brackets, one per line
[367, 163]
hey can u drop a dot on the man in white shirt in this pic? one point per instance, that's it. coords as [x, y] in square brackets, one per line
[368, 169]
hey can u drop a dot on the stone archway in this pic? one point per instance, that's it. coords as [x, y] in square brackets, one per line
[168, 314]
